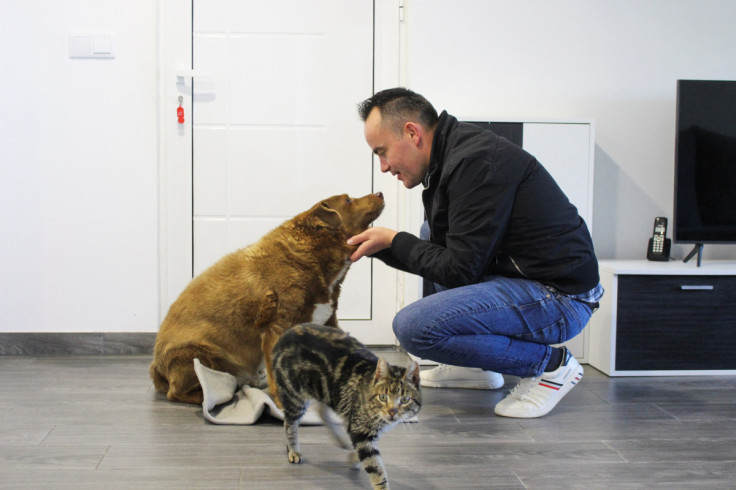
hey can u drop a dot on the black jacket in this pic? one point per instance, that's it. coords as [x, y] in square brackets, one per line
[494, 210]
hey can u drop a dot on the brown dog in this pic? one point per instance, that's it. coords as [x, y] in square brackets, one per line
[231, 315]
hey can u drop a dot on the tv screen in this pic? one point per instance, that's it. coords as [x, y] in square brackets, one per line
[705, 162]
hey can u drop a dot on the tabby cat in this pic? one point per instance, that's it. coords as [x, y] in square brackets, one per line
[325, 364]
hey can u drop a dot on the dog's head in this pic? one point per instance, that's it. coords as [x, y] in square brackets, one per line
[347, 214]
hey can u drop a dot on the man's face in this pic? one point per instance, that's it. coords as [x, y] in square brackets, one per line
[398, 154]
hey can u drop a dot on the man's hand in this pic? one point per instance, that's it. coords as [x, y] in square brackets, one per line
[371, 241]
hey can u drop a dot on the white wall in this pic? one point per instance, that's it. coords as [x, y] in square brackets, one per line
[78, 169]
[615, 62]
[79, 138]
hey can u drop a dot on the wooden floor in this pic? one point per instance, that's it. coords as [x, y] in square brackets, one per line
[95, 422]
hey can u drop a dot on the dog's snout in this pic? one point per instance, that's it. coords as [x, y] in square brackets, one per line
[379, 195]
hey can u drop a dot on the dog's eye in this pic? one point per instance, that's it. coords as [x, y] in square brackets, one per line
[348, 200]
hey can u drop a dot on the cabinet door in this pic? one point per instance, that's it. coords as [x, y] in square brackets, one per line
[676, 323]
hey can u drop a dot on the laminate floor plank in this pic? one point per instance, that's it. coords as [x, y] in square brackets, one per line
[87, 422]
[580, 475]
[139, 478]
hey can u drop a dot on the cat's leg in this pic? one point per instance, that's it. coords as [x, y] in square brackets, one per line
[292, 416]
[370, 456]
[291, 427]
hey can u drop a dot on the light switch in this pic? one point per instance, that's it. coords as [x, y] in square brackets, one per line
[102, 45]
[79, 46]
[98, 45]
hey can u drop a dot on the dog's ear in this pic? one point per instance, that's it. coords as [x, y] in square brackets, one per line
[326, 217]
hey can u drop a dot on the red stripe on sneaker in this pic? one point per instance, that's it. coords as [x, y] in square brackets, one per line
[549, 386]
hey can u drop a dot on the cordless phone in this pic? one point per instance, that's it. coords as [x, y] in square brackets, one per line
[659, 244]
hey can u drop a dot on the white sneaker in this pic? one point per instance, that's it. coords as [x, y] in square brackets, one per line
[535, 397]
[447, 376]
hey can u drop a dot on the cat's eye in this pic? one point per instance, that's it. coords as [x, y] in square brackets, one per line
[383, 397]
[405, 400]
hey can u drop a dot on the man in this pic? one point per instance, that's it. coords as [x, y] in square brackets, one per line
[511, 259]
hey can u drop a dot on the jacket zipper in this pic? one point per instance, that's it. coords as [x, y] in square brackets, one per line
[516, 265]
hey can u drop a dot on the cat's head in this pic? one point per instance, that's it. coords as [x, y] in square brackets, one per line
[395, 392]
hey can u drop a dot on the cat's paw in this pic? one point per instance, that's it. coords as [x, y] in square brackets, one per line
[354, 460]
[295, 457]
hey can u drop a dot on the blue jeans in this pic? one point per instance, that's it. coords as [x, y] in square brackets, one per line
[503, 325]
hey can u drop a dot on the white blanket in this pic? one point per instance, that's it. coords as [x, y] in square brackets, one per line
[226, 403]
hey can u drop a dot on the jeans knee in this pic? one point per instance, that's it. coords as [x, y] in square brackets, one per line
[408, 327]
[401, 328]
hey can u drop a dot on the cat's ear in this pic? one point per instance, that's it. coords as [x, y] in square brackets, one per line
[412, 373]
[381, 369]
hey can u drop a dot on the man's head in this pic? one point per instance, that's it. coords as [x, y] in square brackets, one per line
[399, 126]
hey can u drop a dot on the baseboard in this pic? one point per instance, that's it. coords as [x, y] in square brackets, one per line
[78, 344]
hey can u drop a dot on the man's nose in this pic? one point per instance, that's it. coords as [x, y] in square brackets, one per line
[384, 165]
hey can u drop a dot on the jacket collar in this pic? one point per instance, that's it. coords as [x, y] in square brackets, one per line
[439, 146]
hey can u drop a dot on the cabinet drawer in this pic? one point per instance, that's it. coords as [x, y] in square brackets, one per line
[676, 323]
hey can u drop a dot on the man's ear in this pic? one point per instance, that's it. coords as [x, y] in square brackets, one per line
[326, 217]
[414, 131]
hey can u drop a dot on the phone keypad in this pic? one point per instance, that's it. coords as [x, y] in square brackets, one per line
[658, 244]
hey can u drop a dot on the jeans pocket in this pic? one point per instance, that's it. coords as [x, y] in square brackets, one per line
[578, 314]
[554, 320]
[551, 333]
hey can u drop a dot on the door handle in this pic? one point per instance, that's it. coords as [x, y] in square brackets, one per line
[205, 86]
[182, 74]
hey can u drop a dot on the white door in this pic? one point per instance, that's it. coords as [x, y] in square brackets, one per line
[274, 129]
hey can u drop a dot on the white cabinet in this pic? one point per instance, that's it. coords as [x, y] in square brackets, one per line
[565, 149]
[665, 318]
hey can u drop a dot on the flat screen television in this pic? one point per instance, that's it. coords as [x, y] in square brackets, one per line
[705, 163]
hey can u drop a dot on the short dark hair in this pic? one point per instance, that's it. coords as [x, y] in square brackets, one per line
[399, 105]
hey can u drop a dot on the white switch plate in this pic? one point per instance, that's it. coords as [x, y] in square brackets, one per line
[95, 45]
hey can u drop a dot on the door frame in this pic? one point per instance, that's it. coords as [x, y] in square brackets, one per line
[175, 154]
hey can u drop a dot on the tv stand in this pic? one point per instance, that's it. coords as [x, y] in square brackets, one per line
[665, 319]
[697, 249]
